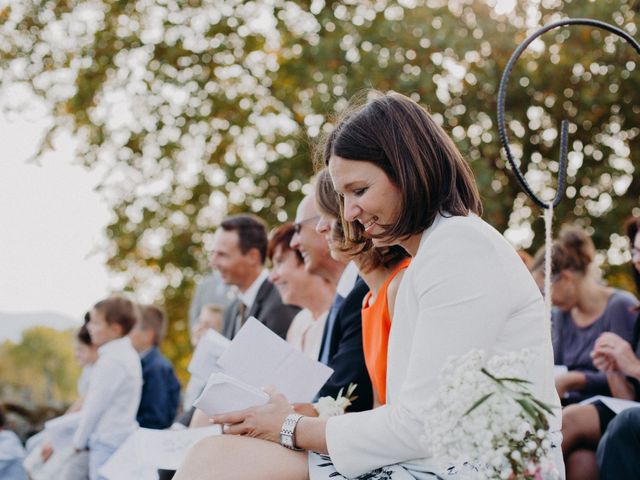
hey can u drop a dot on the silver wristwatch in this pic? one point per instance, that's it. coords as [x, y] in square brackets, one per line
[287, 436]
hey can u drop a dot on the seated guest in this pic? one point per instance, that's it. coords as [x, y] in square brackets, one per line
[584, 309]
[211, 290]
[239, 253]
[313, 293]
[42, 462]
[382, 270]
[108, 415]
[584, 425]
[402, 178]
[160, 386]
[11, 452]
[341, 347]
[86, 354]
[210, 318]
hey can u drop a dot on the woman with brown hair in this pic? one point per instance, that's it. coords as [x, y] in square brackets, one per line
[403, 182]
[382, 270]
[585, 308]
[615, 355]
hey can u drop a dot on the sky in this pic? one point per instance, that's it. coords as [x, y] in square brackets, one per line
[51, 224]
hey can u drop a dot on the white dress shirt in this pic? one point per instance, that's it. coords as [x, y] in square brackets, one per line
[465, 289]
[112, 401]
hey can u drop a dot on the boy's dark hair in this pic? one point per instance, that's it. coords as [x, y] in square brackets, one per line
[3, 417]
[120, 311]
[252, 233]
[153, 318]
[83, 336]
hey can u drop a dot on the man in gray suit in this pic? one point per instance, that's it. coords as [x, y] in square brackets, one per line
[239, 253]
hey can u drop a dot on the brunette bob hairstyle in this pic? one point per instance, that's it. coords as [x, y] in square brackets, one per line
[399, 136]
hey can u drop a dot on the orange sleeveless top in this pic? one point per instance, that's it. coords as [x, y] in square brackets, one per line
[376, 324]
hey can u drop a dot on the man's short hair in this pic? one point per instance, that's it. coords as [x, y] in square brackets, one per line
[119, 310]
[252, 233]
[154, 319]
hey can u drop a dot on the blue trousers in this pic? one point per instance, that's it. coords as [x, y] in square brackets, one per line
[619, 449]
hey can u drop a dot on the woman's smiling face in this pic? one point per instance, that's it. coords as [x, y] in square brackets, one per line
[369, 197]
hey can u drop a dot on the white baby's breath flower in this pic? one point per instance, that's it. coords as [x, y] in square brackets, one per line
[475, 417]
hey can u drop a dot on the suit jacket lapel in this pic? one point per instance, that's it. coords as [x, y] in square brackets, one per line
[263, 293]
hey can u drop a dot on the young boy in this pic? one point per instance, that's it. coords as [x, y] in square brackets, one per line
[160, 387]
[110, 406]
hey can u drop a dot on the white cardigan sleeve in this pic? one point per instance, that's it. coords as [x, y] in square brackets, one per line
[455, 297]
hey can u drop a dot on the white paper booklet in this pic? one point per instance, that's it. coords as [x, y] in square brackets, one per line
[205, 357]
[616, 405]
[259, 357]
[60, 430]
[224, 394]
[145, 451]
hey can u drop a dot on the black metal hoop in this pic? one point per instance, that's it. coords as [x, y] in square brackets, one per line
[564, 131]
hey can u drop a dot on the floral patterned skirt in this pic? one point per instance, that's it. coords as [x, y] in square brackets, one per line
[321, 468]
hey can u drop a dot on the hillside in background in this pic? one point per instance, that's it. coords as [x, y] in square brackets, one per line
[13, 324]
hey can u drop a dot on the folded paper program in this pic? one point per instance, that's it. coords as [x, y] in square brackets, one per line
[224, 394]
[257, 358]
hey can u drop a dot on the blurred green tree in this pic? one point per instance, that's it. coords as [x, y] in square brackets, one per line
[45, 357]
[199, 108]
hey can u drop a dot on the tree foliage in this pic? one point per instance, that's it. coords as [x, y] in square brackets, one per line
[40, 369]
[200, 108]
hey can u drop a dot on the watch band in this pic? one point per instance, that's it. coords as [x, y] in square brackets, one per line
[287, 432]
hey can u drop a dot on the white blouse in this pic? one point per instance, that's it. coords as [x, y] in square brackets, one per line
[305, 332]
[465, 289]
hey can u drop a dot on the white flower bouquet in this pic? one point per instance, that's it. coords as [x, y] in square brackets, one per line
[330, 407]
[485, 417]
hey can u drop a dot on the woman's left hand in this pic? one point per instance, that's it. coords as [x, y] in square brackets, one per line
[263, 422]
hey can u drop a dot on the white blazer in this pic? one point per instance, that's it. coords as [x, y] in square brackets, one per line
[465, 289]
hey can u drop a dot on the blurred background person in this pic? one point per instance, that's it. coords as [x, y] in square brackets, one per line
[160, 386]
[313, 293]
[584, 308]
[239, 254]
[108, 415]
[583, 426]
[210, 318]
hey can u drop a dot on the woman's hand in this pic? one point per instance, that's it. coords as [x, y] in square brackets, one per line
[263, 422]
[618, 355]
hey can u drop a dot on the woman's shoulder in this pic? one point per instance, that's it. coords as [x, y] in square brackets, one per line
[622, 300]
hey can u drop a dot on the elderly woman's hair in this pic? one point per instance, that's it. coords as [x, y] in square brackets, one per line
[349, 239]
[573, 250]
[281, 237]
[399, 136]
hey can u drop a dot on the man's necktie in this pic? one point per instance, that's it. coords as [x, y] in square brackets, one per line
[240, 317]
